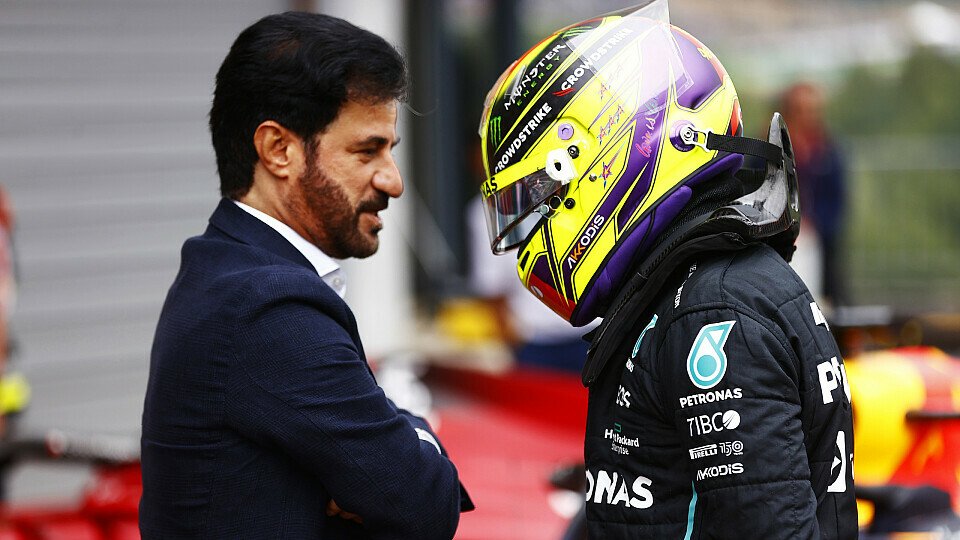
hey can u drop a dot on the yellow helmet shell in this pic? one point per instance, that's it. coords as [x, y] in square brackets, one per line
[584, 163]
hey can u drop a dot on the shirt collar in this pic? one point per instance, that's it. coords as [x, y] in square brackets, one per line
[330, 272]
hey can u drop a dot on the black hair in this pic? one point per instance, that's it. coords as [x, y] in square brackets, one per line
[297, 69]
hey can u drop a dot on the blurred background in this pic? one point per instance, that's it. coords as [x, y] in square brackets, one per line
[107, 167]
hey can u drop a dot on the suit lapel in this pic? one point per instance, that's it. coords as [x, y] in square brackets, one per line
[241, 226]
[236, 223]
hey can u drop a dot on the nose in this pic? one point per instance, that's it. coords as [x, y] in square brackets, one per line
[387, 179]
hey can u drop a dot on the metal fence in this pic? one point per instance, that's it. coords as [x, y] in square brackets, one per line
[902, 245]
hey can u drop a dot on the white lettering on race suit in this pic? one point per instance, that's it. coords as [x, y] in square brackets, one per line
[818, 317]
[703, 451]
[838, 469]
[711, 397]
[733, 448]
[719, 421]
[676, 300]
[832, 374]
[612, 489]
[623, 397]
[720, 470]
[617, 437]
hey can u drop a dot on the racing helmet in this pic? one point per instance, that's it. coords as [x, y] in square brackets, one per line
[592, 143]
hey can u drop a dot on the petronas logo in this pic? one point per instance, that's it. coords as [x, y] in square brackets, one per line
[707, 363]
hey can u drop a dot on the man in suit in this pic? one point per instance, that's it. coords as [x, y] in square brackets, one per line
[262, 418]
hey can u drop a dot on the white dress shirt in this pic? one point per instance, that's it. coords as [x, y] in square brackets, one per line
[330, 272]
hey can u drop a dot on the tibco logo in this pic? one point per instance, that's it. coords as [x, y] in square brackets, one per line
[705, 424]
[612, 489]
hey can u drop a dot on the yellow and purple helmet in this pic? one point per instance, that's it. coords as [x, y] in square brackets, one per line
[593, 142]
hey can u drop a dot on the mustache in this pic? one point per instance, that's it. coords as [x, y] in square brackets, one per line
[376, 203]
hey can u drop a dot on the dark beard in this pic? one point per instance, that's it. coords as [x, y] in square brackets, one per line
[325, 202]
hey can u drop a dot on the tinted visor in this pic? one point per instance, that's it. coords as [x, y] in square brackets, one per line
[510, 211]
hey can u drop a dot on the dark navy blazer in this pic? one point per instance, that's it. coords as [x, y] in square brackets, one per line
[261, 407]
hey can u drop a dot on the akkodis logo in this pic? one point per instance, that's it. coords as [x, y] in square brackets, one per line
[707, 363]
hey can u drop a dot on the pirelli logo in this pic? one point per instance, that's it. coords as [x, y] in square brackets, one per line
[703, 451]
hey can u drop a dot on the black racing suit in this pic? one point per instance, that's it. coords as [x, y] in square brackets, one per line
[723, 411]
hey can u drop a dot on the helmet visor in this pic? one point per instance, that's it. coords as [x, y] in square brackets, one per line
[510, 211]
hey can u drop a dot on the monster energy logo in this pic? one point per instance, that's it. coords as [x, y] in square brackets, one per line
[530, 77]
[495, 135]
[573, 32]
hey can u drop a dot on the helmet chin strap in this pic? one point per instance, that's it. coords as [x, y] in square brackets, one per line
[709, 140]
[770, 210]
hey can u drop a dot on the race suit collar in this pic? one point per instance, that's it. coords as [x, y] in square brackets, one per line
[641, 289]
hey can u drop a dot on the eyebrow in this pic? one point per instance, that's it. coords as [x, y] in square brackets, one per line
[378, 141]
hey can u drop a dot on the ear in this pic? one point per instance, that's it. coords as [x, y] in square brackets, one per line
[280, 151]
